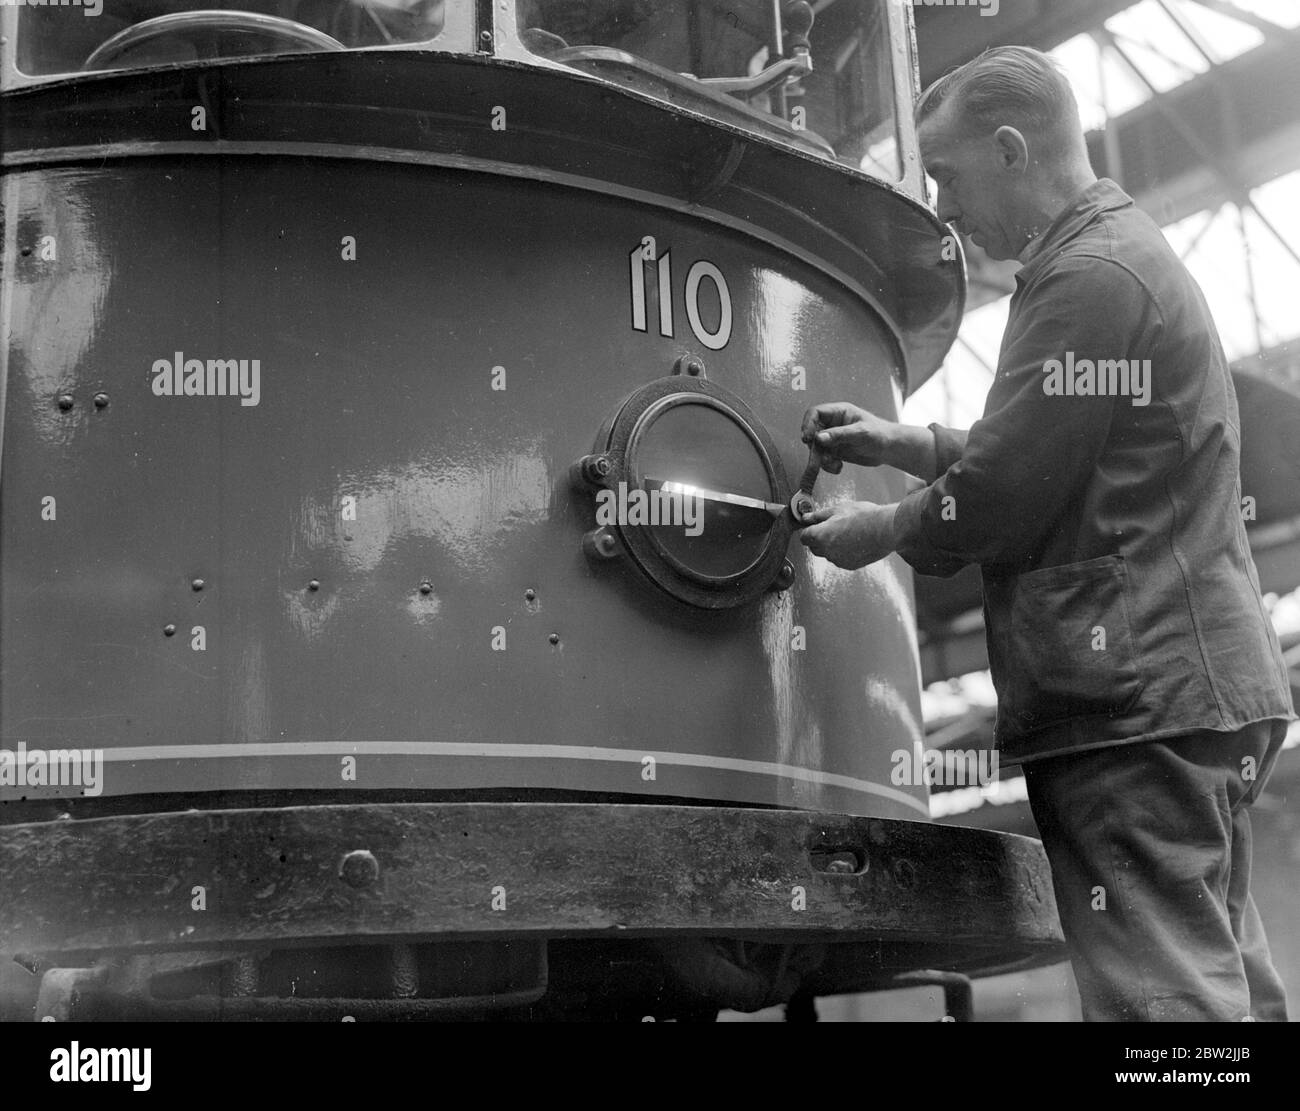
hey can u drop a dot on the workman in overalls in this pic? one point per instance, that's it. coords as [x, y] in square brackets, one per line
[1139, 679]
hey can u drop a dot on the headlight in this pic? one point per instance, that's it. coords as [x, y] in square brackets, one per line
[690, 486]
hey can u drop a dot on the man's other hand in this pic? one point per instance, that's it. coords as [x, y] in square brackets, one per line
[851, 535]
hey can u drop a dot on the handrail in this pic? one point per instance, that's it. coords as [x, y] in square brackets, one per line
[598, 61]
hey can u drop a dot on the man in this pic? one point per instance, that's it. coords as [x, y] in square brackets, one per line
[1139, 680]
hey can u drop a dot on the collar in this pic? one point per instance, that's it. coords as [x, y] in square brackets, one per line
[1031, 248]
[1101, 196]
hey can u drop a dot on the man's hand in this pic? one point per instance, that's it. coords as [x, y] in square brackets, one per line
[852, 535]
[844, 433]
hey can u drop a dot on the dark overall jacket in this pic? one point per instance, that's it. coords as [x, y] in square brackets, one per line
[1121, 602]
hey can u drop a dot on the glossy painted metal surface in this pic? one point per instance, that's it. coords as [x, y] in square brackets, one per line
[376, 383]
[558, 127]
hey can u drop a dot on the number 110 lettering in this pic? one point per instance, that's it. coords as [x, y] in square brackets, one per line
[638, 261]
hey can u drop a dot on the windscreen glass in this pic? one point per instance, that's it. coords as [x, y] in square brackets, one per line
[817, 76]
[752, 63]
[112, 34]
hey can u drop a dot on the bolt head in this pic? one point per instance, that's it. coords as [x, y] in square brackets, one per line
[600, 543]
[359, 868]
[596, 467]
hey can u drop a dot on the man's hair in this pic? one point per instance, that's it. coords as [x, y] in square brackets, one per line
[1013, 86]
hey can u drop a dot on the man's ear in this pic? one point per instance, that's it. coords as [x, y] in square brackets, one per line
[1013, 149]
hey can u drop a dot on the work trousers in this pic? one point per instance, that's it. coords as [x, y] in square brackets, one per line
[1150, 847]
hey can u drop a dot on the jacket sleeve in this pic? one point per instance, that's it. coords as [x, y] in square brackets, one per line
[949, 443]
[1033, 452]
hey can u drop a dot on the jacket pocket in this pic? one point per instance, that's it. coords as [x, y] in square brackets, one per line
[1063, 646]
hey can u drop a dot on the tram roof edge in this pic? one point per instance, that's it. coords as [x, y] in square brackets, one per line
[568, 128]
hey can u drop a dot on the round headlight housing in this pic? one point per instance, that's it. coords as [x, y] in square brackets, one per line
[692, 485]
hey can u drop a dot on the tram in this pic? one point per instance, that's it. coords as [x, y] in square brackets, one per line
[327, 688]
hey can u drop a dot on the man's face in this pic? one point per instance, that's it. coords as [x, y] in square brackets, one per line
[977, 190]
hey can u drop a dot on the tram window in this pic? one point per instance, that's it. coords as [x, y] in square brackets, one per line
[846, 102]
[60, 39]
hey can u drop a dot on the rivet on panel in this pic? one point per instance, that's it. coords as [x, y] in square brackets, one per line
[530, 595]
[169, 630]
[359, 868]
[426, 587]
[197, 584]
[554, 638]
[690, 365]
[101, 401]
[601, 543]
[314, 584]
[65, 401]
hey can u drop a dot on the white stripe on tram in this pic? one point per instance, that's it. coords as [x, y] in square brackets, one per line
[508, 751]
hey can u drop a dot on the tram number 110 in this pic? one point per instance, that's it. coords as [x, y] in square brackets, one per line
[644, 254]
